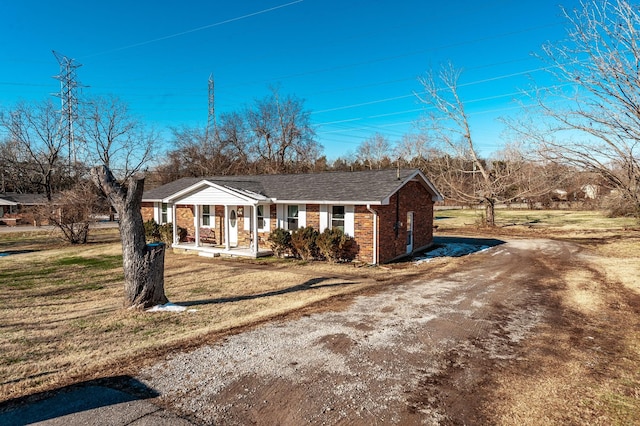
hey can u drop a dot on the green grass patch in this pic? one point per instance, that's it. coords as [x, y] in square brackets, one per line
[100, 263]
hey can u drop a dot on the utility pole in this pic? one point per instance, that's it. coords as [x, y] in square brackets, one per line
[212, 128]
[69, 102]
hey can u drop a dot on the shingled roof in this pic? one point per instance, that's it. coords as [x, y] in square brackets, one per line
[14, 198]
[357, 187]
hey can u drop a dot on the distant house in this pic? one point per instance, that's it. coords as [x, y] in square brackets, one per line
[17, 209]
[388, 212]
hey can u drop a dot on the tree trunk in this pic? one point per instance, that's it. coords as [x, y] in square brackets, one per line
[143, 264]
[490, 212]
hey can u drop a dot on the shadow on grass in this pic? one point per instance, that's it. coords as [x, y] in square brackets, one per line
[307, 285]
[80, 402]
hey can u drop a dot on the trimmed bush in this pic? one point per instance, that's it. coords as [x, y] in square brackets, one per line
[152, 231]
[335, 246]
[304, 243]
[280, 242]
[155, 233]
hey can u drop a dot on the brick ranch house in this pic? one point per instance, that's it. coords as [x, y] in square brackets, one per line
[388, 212]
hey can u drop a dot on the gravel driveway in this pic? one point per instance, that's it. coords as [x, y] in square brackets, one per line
[414, 353]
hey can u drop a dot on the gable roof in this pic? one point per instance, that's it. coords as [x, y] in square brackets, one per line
[361, 187]
[14, 199]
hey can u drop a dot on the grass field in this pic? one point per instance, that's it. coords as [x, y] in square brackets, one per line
[62, 321]
[524, 220]
[61, 315]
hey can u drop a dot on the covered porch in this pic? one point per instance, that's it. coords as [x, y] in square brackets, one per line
[221, 221]
[215, 251]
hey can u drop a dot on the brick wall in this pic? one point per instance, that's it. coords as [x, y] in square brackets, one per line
[313, 216]
[363, 234]
[412, 197]
[146, 209]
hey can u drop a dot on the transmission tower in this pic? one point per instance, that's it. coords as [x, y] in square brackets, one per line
[69, 102]
[212, 128]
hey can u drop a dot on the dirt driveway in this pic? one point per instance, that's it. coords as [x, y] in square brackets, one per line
[415, 353]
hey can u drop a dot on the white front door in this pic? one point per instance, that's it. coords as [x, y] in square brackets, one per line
[233, 226]
[409, 232]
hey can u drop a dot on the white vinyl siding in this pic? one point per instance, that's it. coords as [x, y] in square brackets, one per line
[302, 215]
[324, 217]
[349, 220]
[212, 196]
[281, 219]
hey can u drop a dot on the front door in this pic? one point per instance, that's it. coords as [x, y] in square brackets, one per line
[409, 232]
[233, 226]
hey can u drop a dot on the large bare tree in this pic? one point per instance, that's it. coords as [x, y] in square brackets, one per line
[283, 139]
[143, 263]
[594, 111]
[374, 152]
[113, 137]
[34, 149]
[459, 170]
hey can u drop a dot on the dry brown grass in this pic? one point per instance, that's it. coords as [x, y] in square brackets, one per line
[61, 316]
[581, 367]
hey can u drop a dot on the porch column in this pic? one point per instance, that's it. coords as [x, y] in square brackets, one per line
[227, 245]
[254, 225]
[175, 224]
[196, 224]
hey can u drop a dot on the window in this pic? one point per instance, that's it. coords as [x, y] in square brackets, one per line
[260, 217]
[292, 218]
[164, 213]
[206, 216]
[337, 217]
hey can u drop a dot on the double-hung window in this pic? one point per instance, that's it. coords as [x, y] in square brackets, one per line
[260, 214]
[164, 213]
[206, 216]
[292, 217]
[337, 217]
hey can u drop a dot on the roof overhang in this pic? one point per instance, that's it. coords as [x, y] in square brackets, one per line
[328, 202]
[420, 177]
[4, 202]
[204, 190]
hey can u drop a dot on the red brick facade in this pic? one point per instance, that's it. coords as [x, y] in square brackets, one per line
[392, 242]
[392, 239]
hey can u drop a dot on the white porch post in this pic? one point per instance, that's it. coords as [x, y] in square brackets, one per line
[227, 245]
[196, 224]
[175, 224]
[254, 223]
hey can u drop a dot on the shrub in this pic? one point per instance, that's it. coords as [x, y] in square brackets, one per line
[280, 242]
[304, 243]
[335, 246]
[152, 231]
[155, 233]
[166, 233]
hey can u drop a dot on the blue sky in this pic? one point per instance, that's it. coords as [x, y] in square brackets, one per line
[355, 63]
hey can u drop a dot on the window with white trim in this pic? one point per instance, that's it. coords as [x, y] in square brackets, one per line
[164, 213]
[206, 217]
[260, 214]
[337, 217]
[292, 217]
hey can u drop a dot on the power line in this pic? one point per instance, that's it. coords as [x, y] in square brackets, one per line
[193, 30]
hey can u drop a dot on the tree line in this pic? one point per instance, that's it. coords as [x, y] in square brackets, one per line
[591, 138]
